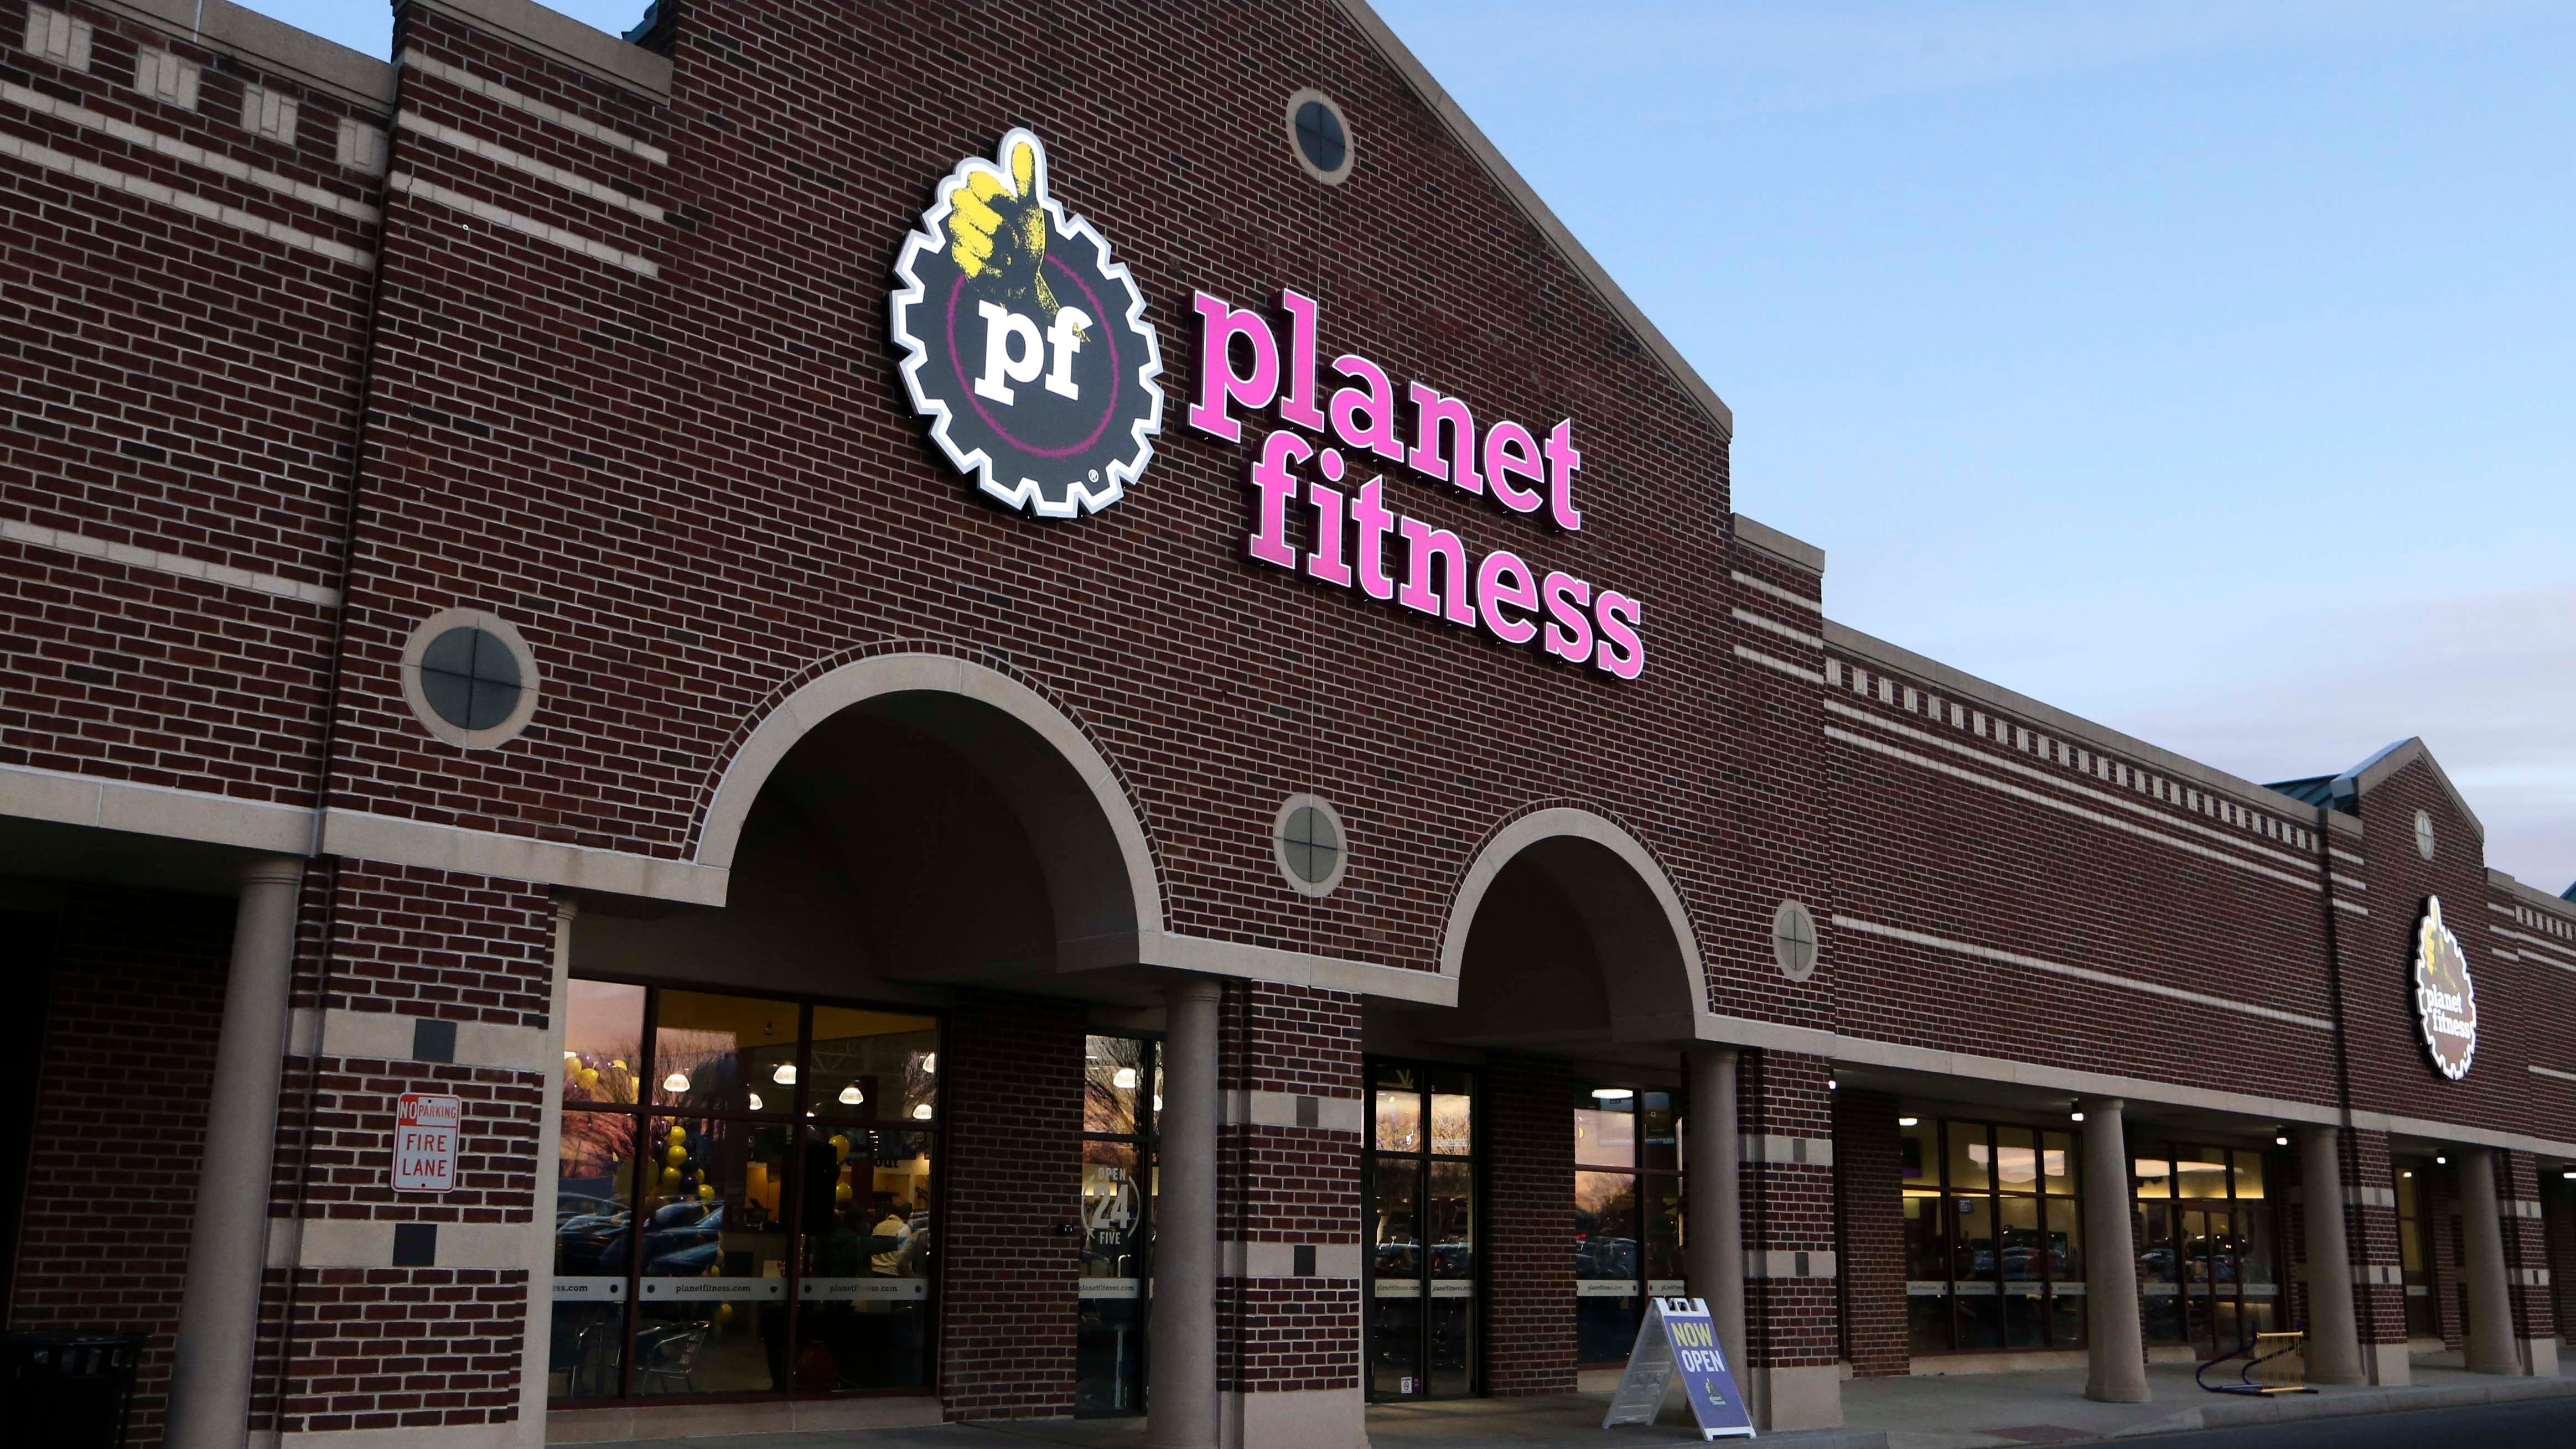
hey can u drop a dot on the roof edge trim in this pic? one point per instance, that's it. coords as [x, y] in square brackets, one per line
[1363, 15]
[1795, 552]
[268, 45]
[559, 37]
[2367, 775]
[1954, 681]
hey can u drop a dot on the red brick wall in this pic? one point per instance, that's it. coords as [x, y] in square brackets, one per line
[1529, 1189]
[176, 384]
[1869, 1190]
[1790, 1321]
[1007, 1278]
[422, 943]
[1290, 1185]
[2526, 1246]
[138, 997]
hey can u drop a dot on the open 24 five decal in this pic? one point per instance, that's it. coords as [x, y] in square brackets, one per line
[1024, 343]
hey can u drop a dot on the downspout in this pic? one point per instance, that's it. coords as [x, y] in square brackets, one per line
[326, 750]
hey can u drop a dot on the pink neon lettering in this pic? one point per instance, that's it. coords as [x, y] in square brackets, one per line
[1428, 546]
[1298, 406]
[1456, 464]
[1370, 515]
[1622, 654]
[1502, 579]
[1377, 403]
[1219, 385]
[1273, 486]
[1326, 562]
[1569, 629]
[1511, 452]
[1562, 460]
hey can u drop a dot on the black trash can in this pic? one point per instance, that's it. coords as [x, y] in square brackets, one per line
[68, 1389]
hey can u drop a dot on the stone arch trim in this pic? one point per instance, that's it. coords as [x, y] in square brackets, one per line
[1571, 820]
[827, 687]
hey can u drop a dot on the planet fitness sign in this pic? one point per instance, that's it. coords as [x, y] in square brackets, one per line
[2446, 1001]
[1027, 348]
[1344, 533]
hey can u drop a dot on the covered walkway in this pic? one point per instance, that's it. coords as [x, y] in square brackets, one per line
[1967, 1411]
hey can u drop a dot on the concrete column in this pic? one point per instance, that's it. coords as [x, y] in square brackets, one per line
[2334, 1334]
[1181, 1398]
[1714, 1183]
[538, 1350]
[210, 1368]
[2490, 1306]
[2118, 1358]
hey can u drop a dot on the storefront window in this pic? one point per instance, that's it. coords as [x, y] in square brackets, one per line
[2205, 1245]
[1420, 1167]
[2414, 1262]
[1627, 1214]
[743, 1206]
[1118, 1105]
[1994, 1254]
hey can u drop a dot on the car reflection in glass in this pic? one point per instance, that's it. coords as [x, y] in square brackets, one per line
[681, 1240]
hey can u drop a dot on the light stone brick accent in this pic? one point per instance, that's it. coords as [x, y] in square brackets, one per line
[165, 77]
[267, 114]
[58, 37]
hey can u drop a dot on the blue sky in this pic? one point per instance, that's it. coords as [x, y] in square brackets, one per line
[2200, 368]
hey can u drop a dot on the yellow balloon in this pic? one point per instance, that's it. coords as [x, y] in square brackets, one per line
[679, 1135]
[670, 1179]
[590, 1078]
[724, 1313]
[676, 1156]
[841, 1192]
[706, 1192]
[840, 1148]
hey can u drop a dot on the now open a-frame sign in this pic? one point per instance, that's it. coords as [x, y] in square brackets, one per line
[1678, 1337]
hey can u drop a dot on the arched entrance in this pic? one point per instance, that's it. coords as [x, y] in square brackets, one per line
[823, 1138]
[1579, 978]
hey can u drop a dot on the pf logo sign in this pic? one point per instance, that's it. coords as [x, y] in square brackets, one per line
[1023, 343]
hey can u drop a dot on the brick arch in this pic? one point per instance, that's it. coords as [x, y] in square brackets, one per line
[1101, 874]
[1649, 951]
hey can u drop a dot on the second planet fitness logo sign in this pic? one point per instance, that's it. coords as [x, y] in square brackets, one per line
[2446, 1001]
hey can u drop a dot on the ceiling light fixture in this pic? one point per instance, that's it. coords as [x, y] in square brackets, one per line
[676, 1082]
[1909, 1121]
[1611, 1094]
[851, 1096]
[785, 1076]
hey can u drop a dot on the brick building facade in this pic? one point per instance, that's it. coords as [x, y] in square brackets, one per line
[494, 615]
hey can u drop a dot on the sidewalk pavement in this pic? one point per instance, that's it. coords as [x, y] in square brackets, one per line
[1963, 1411]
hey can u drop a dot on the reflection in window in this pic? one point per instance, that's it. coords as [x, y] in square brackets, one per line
[1627, 1216]
[1419, 1304]
[1117, 1207]
[744, 1206]
[1993, 1241]
[2204, 1239]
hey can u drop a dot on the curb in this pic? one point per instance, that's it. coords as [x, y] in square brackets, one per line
[2287, 1409]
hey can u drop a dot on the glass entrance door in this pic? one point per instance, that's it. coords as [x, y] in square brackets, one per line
[1120, 1097]
[1422, 1298]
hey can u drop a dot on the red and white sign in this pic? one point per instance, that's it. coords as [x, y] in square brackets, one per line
[425, 1143]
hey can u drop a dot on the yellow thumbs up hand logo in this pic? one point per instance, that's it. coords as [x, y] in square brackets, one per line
[998, 224]
[1025, 344]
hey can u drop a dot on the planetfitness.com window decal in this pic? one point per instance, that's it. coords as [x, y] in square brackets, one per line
[1024, 343]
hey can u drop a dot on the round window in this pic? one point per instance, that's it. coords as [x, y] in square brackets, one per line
[1793, 941]
[470, 678]
[1321, 136]
[1311, 846]
[2424, 835]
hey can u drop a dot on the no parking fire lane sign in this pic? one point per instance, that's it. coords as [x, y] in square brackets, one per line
[425, 1143]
